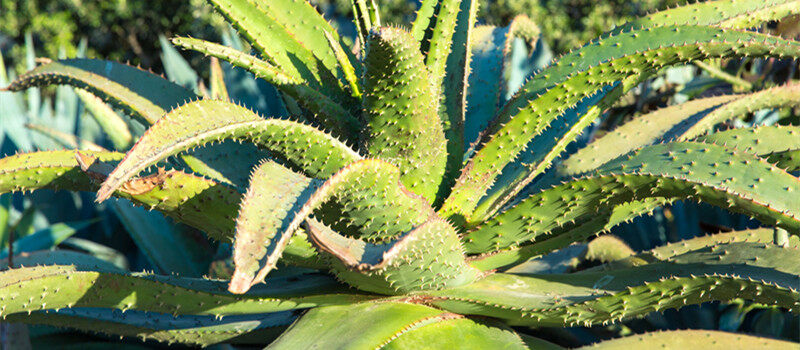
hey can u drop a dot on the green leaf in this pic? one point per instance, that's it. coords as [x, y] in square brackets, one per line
[765, 141]
[176, 68]
[328, 112]
[405, 264]
[629, 57]
[65, 140]
[752, 272]
[490, 51]
[738, 181]
[273, 198]
[366, 15]
[199, 202]
[144, 95]
[46, 238]
[680, 122]
[182, 329]
[365, 198]
[454, 88]
[30, 289]
[401, 110]
[112, 124]
[300, 50]
[724, 13]
[361, 326]
[166, 248]
[692, 339]
[202, 122]
[422, 27]
[459, 333]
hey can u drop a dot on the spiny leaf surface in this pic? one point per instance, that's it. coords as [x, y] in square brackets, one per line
[401, 105]
[144, 95]
[629, 56]
[312, 151]
[713, 174]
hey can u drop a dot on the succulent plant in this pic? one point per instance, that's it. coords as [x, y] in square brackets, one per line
[380, 179]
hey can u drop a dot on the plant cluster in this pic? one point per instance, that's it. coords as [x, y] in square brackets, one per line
[403, 192]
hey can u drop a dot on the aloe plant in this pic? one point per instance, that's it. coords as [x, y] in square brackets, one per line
[407, 224]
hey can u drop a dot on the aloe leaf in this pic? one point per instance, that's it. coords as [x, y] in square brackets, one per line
[59, 287]
[144, 95]
[273, 198]
[723, 13]
[175, 67]
[13, 115]
[581, 230]
[46, 238]
[62, 257]
[680, 122]
[691, 339]
[459, 333]
[366, 15]
[606, 249]
[765, 141]
[202, 203]
[368, 200]
[328, 112]
[762, 235]
[228, 162]
[216, 81]
[165, 247]
[422, 27]
[405, 264]
[183, 329]
[753, 272]
[454, 88]
[185, 197]
[301, 51]
[629, 57]
[112, 124]
[66, 140]
[738, 181]
[403, 125]
[314, 33]
[490, 51]
[369, 325]
[312, 151]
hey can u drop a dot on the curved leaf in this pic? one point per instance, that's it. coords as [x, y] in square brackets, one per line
[329, 113]
[459, 333]
[581, 230]
[144, 95]
[368, 200]
[182, 329]
[773, 142]
[628, 57]
[737, 181]
[196, 201]
[724, 13]
[314, 152]
[285, 44]
[490, 50]
[408, 263]
[401, 109]
[752, 272]
[680, 122]
[30, 289]
[692, 339]
[362, 326]
[274, 196]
